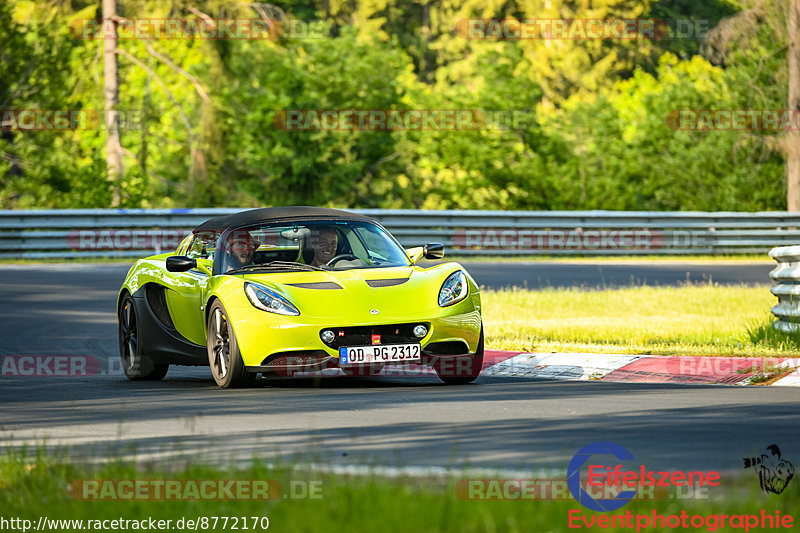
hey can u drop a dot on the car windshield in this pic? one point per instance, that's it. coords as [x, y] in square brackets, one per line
[310, 245]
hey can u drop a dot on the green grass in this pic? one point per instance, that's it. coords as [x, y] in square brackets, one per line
[34, 487]
[693, 319]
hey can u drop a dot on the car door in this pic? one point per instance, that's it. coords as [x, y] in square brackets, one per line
[186, 291]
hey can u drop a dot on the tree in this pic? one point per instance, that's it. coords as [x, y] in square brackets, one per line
[792, 141]
[111, 85]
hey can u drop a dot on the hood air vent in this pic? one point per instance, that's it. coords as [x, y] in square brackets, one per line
[386, 282]
[323, 285]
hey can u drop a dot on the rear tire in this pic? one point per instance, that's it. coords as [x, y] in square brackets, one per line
[135, 364]
[461, 370]
[224, 358]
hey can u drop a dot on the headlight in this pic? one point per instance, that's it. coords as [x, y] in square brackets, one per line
[269, 300]
[454, 289]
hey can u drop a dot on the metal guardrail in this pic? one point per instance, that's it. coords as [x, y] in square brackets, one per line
[786, 287]
[36, 234]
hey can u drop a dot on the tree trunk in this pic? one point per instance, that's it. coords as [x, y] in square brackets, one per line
[793, 140]
[111, 80]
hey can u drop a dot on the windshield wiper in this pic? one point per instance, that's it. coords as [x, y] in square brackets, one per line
[295, 264]
[273, 265]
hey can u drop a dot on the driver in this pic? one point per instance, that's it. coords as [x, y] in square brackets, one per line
[241, 247]
[324, 240]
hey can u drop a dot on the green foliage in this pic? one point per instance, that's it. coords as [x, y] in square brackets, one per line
[594, 136]
[272, 165]
[46, 168]
[628, 157]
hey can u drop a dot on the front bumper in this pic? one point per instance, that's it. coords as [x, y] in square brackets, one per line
[268, 342]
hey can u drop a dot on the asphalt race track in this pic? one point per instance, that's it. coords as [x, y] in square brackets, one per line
[498, 423]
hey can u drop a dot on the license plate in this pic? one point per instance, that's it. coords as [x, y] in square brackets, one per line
[358, 355]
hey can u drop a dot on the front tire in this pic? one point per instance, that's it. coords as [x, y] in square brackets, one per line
[136, 364]
[224, 358]
[461, 370]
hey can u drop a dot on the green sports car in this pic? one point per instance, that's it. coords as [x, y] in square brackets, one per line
[285, 289]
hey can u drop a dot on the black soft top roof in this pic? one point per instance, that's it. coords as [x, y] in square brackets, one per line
[271, 214]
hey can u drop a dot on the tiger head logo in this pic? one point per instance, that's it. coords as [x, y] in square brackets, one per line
[774, 472]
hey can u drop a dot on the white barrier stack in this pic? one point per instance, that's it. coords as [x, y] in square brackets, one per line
[786, 287]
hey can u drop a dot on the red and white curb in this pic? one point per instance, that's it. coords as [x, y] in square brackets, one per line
[643, 368]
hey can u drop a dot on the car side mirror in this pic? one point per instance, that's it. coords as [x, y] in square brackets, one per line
[180, 263]
[433, 250]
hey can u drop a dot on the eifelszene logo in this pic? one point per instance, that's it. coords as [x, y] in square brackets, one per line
[593, 491]
[774, 472]
[574, 476]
